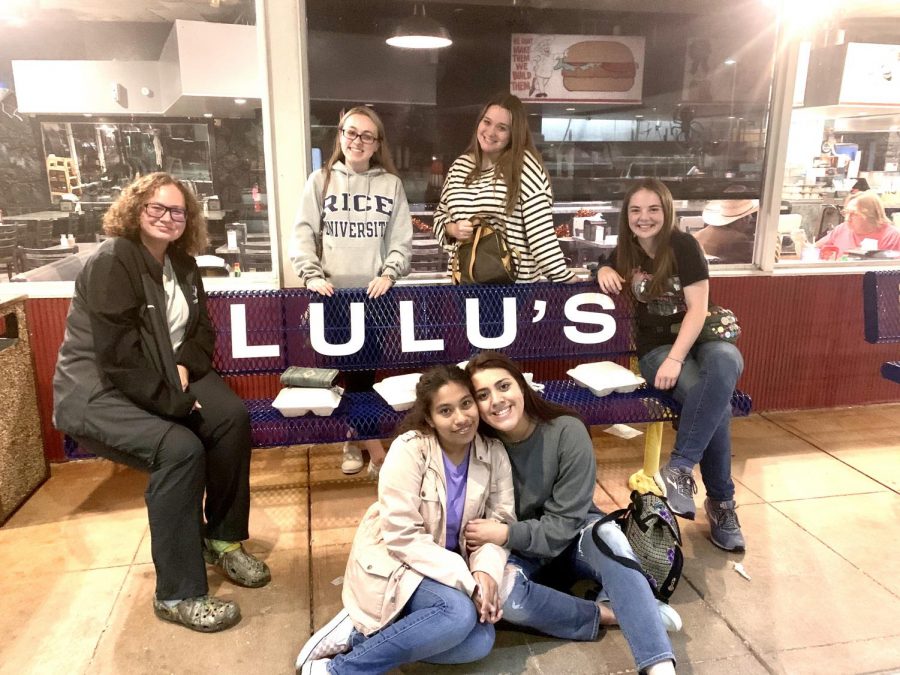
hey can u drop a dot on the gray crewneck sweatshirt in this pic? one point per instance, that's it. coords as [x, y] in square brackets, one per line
[360, 230]
[554, 473]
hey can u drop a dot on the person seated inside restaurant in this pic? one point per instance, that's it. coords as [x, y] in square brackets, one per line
[730, 228]
[134, 383]
[865, 226]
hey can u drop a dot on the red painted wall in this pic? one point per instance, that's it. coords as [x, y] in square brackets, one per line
[803, 347]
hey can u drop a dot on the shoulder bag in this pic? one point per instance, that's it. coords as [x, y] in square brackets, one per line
[487, 258]
[720, 324]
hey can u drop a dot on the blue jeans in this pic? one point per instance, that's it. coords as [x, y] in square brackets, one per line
[439, 624]
[554, 612]
[708, 377]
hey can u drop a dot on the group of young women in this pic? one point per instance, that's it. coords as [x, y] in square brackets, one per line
[485, 501]
[354, 230]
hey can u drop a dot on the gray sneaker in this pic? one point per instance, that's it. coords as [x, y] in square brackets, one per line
[680, 490]
[724, 527]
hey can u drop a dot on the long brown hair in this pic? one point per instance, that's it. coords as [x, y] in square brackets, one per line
[629, 252]
[537, 408]
[381, 157]
[123, 217]
[426, 389]
[509, 164]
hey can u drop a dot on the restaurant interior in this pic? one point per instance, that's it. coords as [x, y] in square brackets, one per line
[786, 102]
[94, 95]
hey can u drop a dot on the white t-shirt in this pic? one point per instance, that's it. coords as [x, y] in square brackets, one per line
[176, 305]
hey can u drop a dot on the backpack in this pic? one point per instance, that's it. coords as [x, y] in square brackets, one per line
[487, 258]
[653, 533]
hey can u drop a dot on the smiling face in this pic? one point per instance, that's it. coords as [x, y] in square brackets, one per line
[453, 416]
[501, 403]
[494, 131]
[646, 217]
[158, 232]
[356, 153]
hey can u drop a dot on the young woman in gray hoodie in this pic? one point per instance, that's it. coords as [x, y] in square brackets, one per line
[354, 230]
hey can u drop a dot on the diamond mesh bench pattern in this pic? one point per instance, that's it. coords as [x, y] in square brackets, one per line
[881, 308]
[261, 333]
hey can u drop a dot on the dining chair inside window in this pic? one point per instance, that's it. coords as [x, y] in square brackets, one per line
[8, 254]
[32, 258]
[256, 253]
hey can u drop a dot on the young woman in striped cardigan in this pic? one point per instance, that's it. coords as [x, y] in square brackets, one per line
[501, 174]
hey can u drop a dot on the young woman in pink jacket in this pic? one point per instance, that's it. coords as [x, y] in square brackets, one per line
[412, 592]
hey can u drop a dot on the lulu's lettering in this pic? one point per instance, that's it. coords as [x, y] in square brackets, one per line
[408, 340]
[574, 313]
[473, 325]
[317, 330]
[239, 347]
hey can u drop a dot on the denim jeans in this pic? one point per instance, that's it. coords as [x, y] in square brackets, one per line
[531, 601]
[708, 377]
[439, 624]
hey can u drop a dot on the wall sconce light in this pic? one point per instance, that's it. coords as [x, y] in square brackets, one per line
[419, 32]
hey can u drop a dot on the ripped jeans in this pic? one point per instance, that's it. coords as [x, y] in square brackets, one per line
[532, 599]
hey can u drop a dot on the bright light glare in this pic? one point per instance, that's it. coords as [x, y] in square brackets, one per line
[419, 42]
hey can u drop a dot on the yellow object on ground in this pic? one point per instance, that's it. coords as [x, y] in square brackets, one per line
[648, 478]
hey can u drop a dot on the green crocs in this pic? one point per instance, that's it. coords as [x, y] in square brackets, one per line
[203, 613]
[239, 566]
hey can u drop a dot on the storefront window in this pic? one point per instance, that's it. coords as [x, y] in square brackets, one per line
[841, 178]
[113, 92]
[684, 97]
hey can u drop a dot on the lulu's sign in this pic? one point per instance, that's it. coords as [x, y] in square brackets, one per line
[260, 332]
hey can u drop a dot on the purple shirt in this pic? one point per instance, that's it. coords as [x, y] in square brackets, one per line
[456, 498]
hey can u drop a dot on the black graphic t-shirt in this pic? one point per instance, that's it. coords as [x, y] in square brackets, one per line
[656, 317]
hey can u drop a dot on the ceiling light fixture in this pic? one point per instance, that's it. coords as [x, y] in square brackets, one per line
[419, 32]
[240, 101]
[207, 115]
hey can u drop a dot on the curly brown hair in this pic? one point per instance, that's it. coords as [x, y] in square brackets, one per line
[123, 218]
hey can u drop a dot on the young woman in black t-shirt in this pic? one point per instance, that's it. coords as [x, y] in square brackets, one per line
[668, 275]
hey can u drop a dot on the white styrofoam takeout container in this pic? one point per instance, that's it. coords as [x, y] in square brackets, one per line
[297, 401]
[605, 377]
[399, 391]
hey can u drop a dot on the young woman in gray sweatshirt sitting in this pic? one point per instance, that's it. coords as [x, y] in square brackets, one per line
[353, 230]
[554, 473]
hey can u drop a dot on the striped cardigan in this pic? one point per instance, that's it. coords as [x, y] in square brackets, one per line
[529, 228]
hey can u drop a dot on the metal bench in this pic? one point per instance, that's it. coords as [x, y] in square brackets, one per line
[260, 333]
[881, 306]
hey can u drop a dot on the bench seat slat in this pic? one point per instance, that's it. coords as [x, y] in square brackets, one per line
[370, 417]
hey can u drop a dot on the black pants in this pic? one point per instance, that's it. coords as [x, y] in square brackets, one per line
[207, 452]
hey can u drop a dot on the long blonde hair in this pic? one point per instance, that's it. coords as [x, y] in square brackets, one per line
[381, 157]
[509, 164]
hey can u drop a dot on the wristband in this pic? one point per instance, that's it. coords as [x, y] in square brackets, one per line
[672, 358]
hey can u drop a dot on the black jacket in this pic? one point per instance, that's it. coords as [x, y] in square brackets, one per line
[117, 335]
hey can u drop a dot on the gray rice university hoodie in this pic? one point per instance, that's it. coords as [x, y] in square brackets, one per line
[360, 230]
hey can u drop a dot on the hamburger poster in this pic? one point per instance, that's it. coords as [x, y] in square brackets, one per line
[572, 68]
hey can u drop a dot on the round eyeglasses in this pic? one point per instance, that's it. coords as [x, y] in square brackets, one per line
[365, 137]
[154, 210]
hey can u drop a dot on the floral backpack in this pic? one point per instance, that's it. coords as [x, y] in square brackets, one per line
[653, 533]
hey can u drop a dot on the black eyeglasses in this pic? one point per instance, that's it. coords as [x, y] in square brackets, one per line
[154, 210]
[352, 134]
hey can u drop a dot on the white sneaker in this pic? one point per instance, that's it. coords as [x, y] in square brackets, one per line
[353, 459]
[374, 470]
[333, 639]
[317, 667]
[671, 621]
